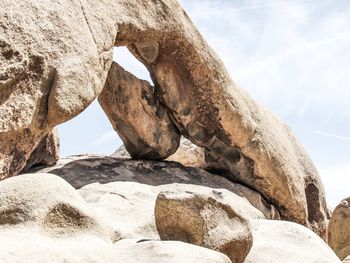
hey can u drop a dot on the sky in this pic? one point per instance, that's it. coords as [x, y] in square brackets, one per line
[291, 56]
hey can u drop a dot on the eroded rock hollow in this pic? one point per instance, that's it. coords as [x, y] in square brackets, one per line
[54, 61]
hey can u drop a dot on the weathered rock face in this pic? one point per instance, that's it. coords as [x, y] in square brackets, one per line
[136, 114]
[50, 71]
[108, 169]
[204, 220]
[53, 68]
[46, 153]
[281, 241]
[131, 251]
[339, 229]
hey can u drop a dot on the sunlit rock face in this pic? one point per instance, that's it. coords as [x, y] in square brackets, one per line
[339, 229]
[52, 69]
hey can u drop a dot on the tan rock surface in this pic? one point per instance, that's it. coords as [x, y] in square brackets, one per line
[136, 114]
[61, 53]
[339, 229]
[131, 251]
[104, 169]
[206, 220]
[282, 241]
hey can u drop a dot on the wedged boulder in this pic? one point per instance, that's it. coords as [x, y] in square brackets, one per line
[136, 114]
[129, 206]
[105, 169]
[44, 219]
[205, 220]
[46, 153]
[132, 251]
[339, 229]
[287, 242]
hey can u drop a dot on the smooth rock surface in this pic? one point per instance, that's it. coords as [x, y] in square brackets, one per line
[282, 241]
[44, 219]
[87, 169]
[339, 229]
[206, 220]
[132, 251]
[136, 114]
[129, 206]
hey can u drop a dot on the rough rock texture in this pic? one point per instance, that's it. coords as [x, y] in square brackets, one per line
[51, 68]
[54, 61]
[281, 241]
[339, 229]
[129, 206]
[132, 251]
[135, 113]
[46, 153]
[204, 220]
[104, 169]
[44, 219]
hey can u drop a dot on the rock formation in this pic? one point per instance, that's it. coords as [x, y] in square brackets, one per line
[43, 219]
[52, 69]
[206, 220]
[339, 229]
[98, 169]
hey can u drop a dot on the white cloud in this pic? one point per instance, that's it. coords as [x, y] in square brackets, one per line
[333, 135]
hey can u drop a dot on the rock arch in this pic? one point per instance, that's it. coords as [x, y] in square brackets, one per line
[62, 53]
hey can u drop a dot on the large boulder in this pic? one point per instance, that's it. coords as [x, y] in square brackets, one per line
[206, 220]
[135, 113]
[50, 70]
[281, 241]
[104, 169]
[53, 68]
[132, 251]
[339, 229]
[44, 219]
